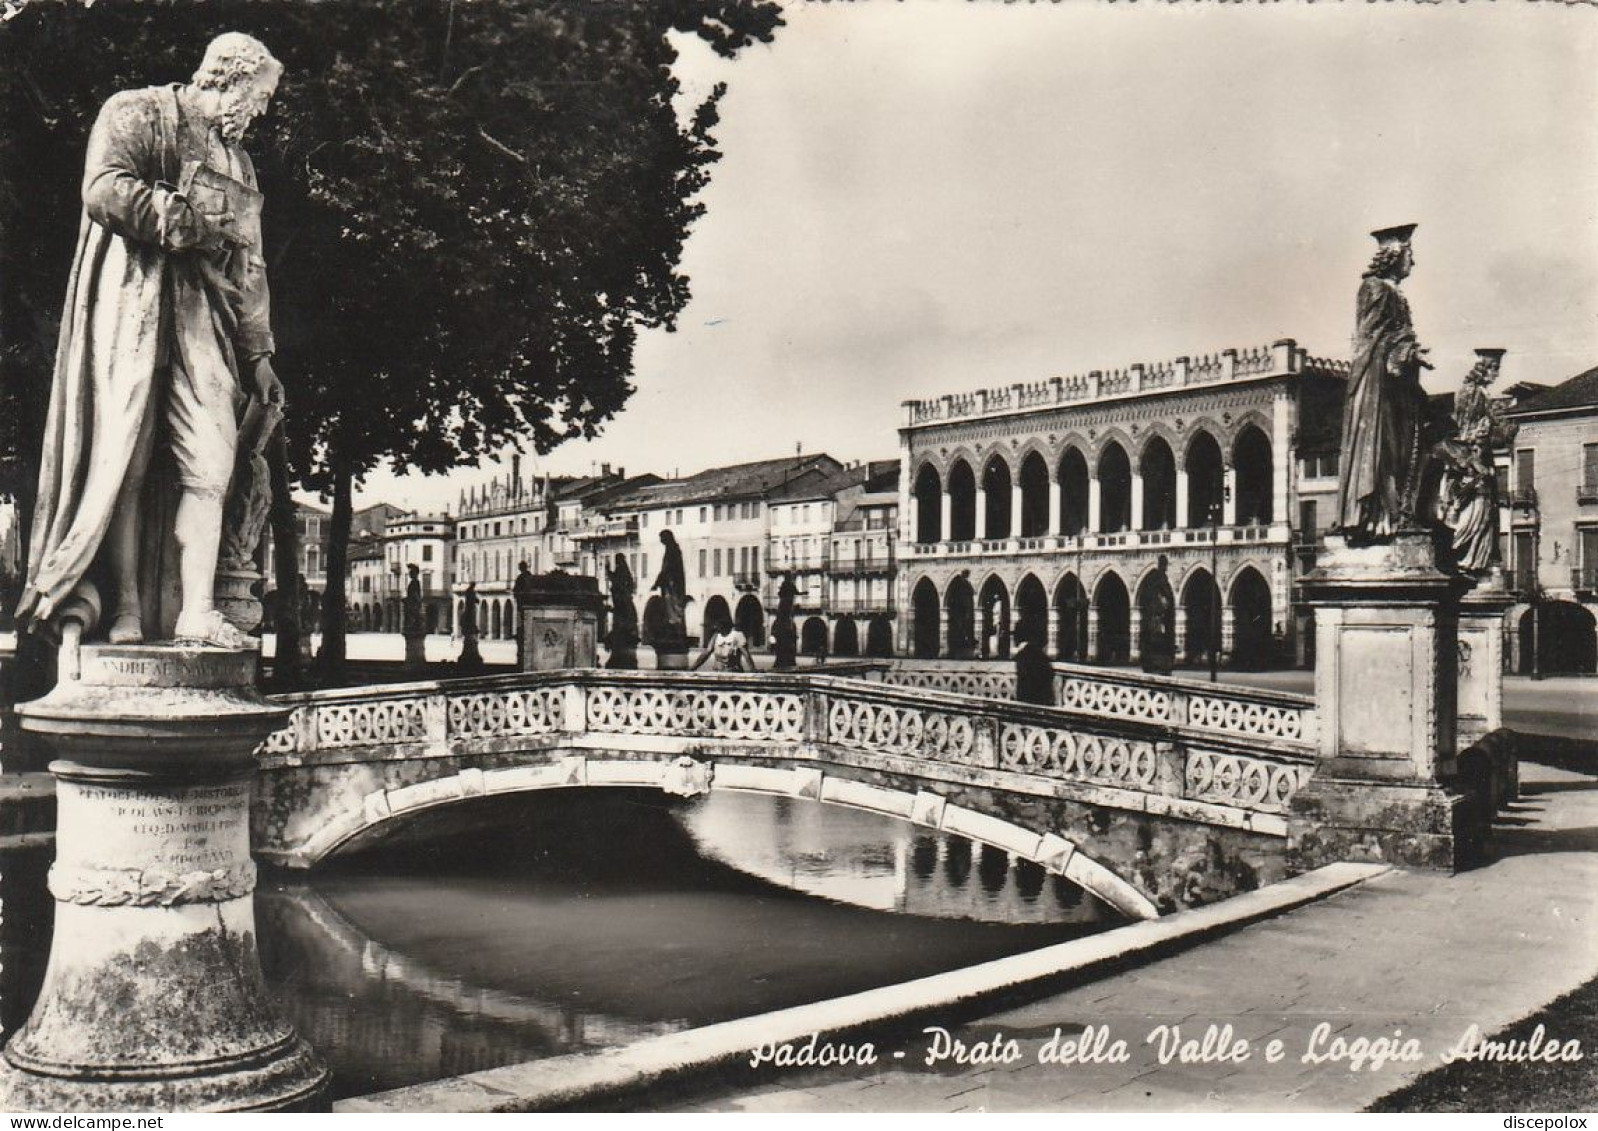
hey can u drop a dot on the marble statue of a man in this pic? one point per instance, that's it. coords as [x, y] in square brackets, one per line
[165, 344]
[1384, 409]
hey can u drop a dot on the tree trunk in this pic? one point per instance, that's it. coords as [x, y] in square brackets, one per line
[335, 604]
[287, 671]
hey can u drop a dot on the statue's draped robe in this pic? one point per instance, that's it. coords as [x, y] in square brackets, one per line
[1382, 417]
[139, 293]
[672, 582]
[624, 614]
[1468, 499]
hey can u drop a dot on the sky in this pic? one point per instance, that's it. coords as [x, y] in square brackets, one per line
[931, 196]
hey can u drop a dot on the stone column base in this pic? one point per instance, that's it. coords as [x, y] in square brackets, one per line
[1413, 825]
[288, 1078]
[153, 998]
[415, 653]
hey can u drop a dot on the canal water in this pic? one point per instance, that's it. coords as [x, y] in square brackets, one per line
[518, 928]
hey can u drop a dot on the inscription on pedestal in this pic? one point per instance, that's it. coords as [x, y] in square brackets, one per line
[145, 666]
[201, 829]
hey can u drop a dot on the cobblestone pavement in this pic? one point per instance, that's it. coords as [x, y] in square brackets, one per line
[1424, 954]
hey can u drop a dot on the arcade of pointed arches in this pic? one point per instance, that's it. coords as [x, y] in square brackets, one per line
[1098, 621]
[1182, 473]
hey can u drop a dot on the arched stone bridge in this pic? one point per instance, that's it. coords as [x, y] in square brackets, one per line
[1149, 793]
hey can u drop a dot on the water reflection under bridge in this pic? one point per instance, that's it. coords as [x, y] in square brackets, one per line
[579, 921]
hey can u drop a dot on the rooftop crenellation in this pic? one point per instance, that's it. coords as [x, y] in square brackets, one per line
[1281, 357]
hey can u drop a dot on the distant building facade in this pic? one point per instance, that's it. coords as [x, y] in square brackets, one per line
[426, 541]
[863, 571]
[312, 527]
[1551, 528]
[1052, 502]
[545, 522]
[834, 535]
[365, 566]
[720, 520]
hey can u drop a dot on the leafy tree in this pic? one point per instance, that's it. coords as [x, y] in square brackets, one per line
[472, 208]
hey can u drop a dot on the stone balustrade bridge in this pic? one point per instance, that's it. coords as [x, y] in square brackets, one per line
[1151, 793]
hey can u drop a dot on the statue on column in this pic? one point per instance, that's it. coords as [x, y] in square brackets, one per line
[164, 392]
[1467, 497]
[784, 633]
[672, 585]
[471, 655]
[623, 638]
[412, 621]
[1384, 409]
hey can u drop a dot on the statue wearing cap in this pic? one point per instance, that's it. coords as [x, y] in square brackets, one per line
[1467, 496]
[1384, 410]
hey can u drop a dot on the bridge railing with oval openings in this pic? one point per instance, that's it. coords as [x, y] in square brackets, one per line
[1236, 712]
[1113, 732]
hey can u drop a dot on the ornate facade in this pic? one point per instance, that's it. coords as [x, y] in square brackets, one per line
[1052, 503]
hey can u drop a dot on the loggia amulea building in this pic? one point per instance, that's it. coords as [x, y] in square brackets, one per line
[1051, 503]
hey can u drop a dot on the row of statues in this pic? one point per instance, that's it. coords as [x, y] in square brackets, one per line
[670, 631]
[1404, 467]
[153, 482]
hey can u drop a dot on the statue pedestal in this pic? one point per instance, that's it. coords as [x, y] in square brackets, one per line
[470, 657]
[153, 999]
[624, 654]
[1386, 674]
[558, 623]
[415, 651]
[1481, 661]
[1481, 691]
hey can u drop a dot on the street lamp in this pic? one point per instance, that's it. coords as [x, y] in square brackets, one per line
[1215, 577]
[1534, 595]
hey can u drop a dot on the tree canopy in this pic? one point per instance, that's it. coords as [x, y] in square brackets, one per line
[472, 208]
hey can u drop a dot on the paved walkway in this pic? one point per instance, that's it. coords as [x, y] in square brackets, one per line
[1426, 954]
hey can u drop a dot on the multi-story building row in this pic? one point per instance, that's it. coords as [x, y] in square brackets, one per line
[1049, 503]
[721, 519]
[535, 521]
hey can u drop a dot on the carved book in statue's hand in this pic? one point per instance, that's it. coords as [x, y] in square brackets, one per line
[214, 195]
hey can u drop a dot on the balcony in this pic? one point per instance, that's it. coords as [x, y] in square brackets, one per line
[867, 565]
[1587, 492]
[854, 525]
[596, 529]
[864, 606]
[746, 582]
[1523, 498]
[798, 563]
[1584, 579]
[1139, 541]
